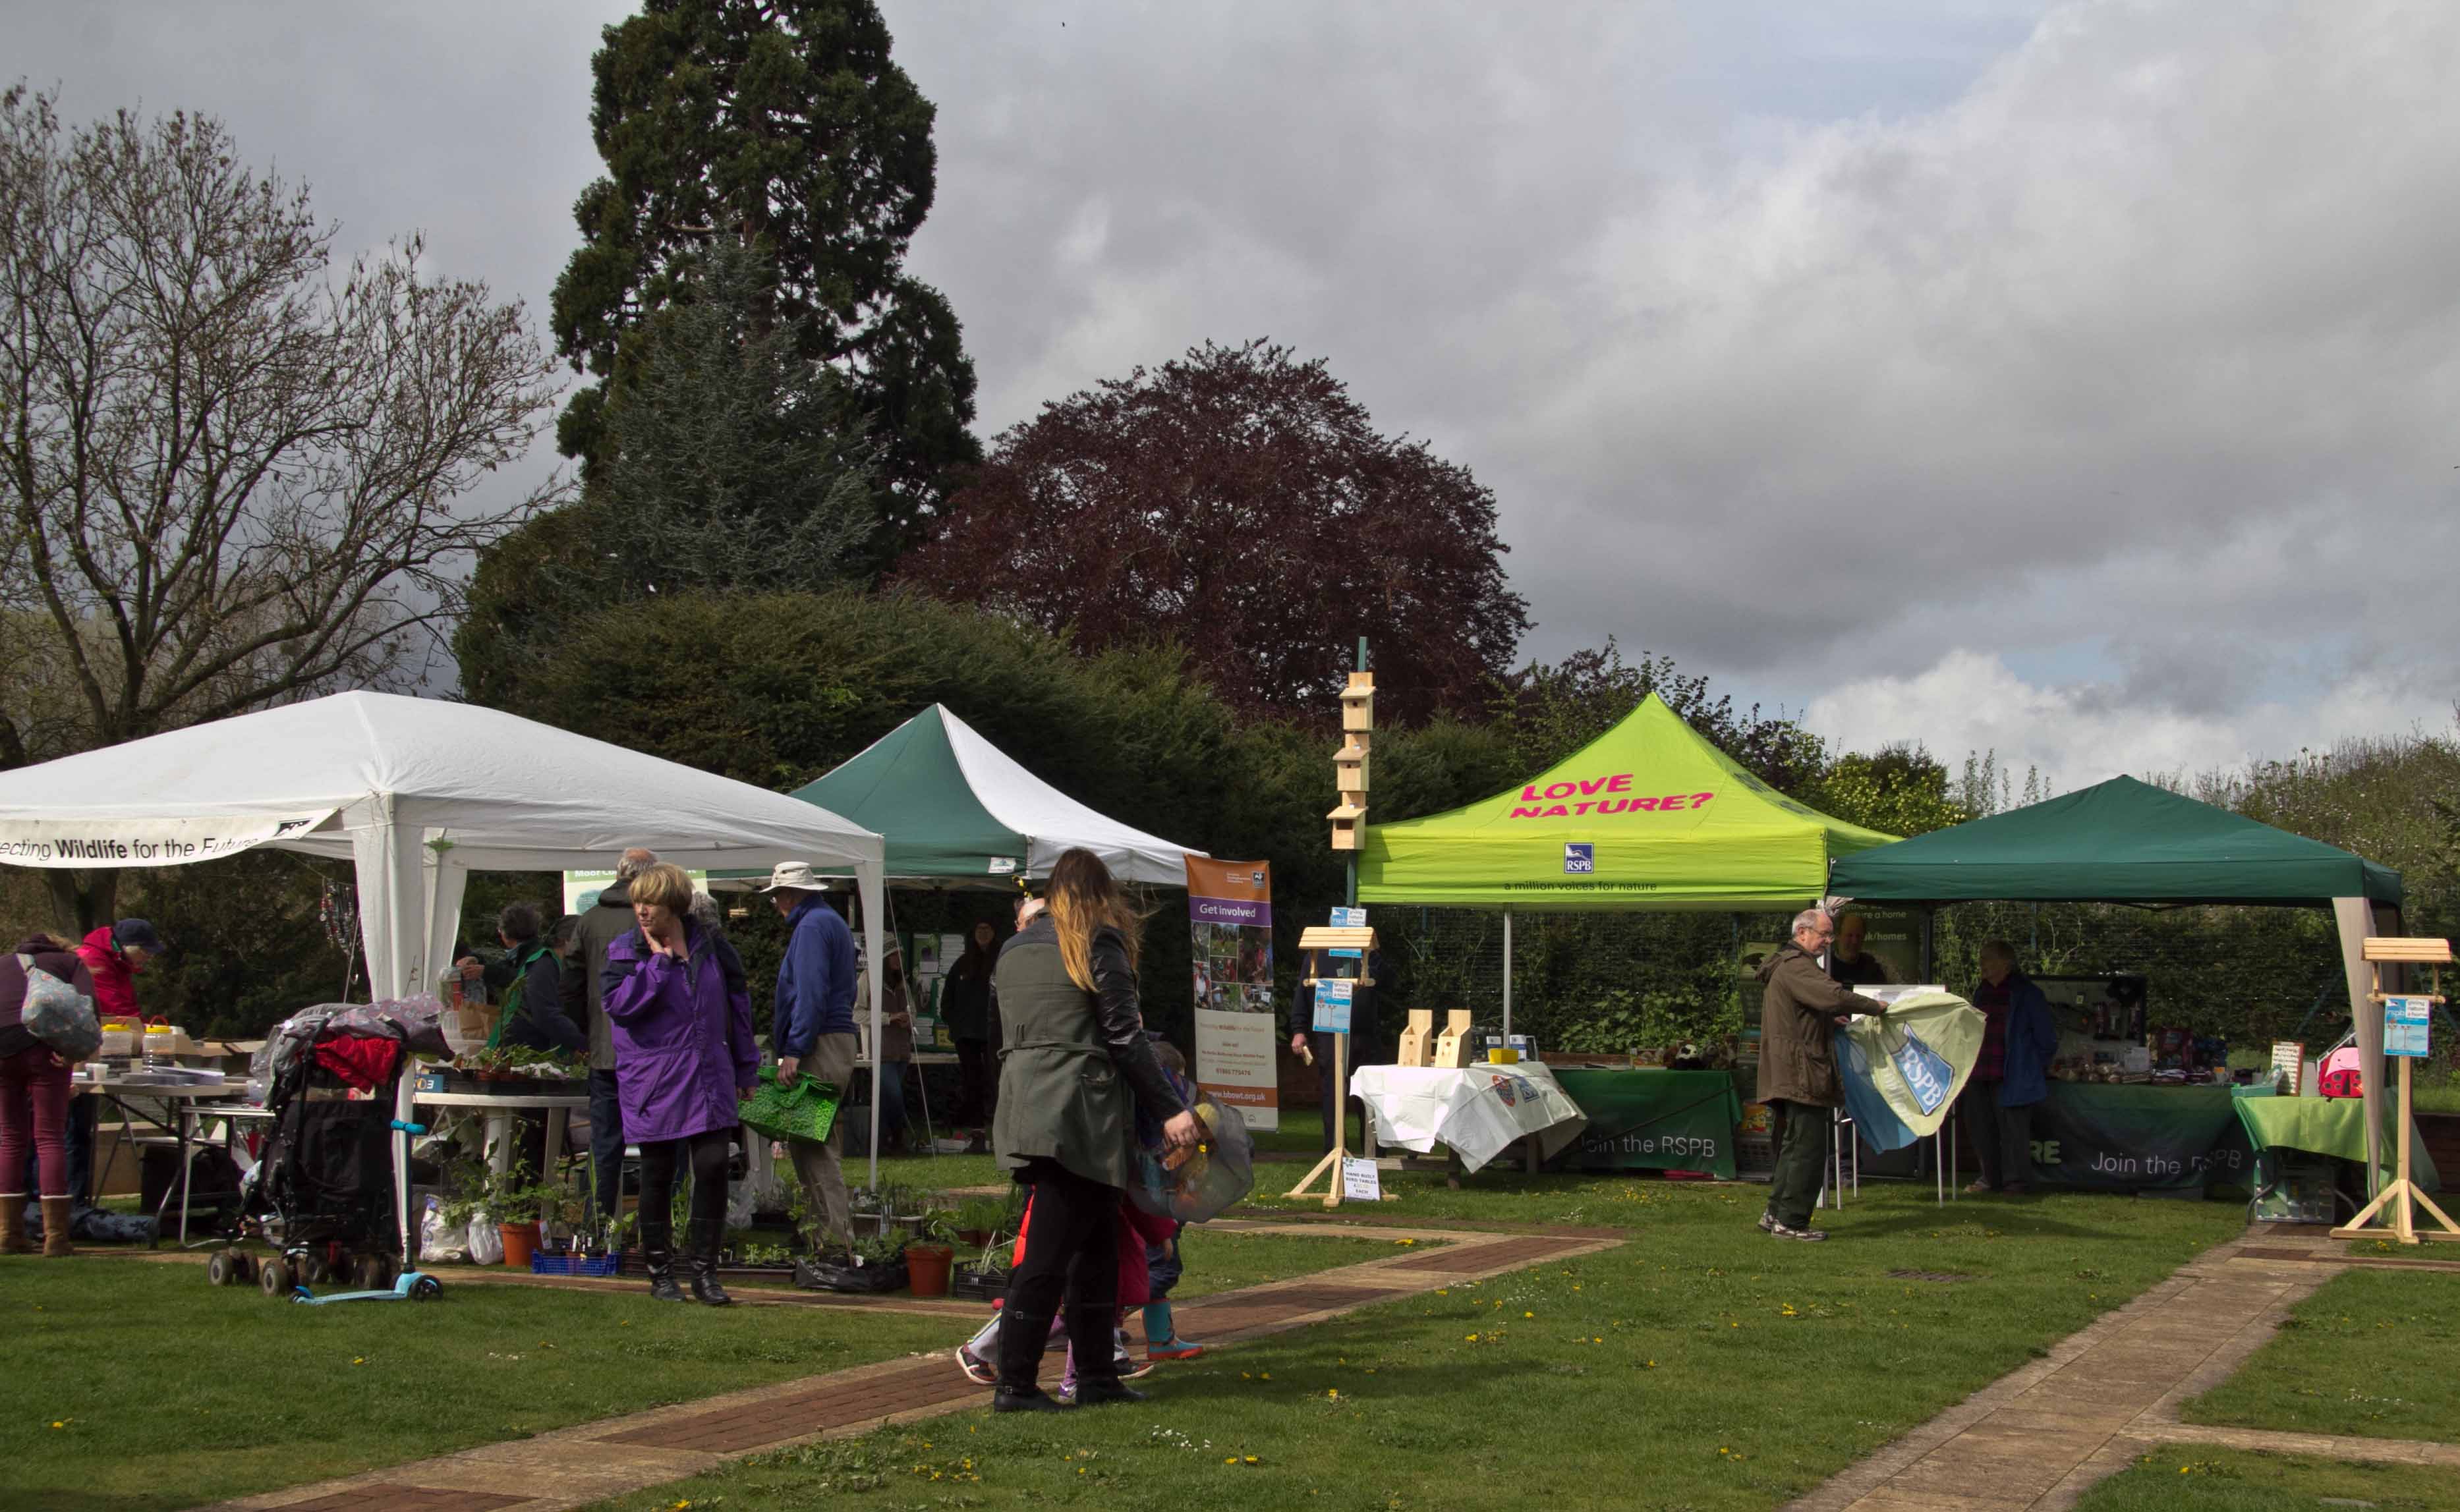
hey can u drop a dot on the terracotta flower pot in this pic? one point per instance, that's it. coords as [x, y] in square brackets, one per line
[926, 1269]
[520, 1243]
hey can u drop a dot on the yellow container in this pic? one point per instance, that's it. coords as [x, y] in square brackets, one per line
[1503, 1056]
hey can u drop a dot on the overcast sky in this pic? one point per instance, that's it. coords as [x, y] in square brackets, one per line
[2081, 381]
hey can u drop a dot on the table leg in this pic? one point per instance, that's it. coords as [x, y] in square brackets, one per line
[186, 1113]
[1530, 1152]
[558, 1122]
[500, 1142]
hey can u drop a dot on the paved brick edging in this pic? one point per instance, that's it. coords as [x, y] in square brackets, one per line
[570, 1467]
[2040, 1436]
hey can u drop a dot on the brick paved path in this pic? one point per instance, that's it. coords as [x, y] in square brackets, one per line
[574, 1466]
[2038, 1439]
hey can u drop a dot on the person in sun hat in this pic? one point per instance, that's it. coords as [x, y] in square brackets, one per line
[812, 1028]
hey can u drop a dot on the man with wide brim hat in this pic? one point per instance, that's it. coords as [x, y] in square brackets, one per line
[811, 1027]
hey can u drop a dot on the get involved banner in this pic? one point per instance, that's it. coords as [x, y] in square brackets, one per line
[1230, 923]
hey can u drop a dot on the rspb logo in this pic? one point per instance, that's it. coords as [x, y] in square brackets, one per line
[1580, 858]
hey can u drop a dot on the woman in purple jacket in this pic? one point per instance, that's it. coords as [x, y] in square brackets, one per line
[682, 1025]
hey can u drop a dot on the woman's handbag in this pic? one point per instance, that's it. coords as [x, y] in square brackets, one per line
[59, 1015]
[805, 1111]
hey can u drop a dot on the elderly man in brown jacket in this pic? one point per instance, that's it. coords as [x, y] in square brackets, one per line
[1799, 1013]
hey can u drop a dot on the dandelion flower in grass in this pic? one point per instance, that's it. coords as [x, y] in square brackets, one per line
[1529, 1314]
[1252, 1459]
[1264, 1376]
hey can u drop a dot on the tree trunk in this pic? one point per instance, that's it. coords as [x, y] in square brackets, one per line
[83, 901]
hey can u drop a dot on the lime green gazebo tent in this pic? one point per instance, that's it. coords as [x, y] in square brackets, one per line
[1647, 816]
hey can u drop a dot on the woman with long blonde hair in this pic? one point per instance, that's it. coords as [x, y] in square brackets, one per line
[1074, 1063]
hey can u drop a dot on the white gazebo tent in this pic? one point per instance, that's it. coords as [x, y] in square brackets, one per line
[416, 793]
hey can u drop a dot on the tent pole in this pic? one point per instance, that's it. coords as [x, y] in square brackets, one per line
[1507, 976]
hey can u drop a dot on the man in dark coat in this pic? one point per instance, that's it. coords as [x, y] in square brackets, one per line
[1799, 1013]
[585, 997]
[1365, 1037]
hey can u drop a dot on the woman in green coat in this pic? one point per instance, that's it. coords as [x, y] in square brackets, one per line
[1073, 1062]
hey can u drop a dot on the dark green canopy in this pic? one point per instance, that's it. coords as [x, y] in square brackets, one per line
[2121, 841]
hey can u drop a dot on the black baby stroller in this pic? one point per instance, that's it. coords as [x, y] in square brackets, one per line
[322, 1192]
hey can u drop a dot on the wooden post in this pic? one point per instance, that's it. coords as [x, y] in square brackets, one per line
[2403, 1196]
[1314, 941]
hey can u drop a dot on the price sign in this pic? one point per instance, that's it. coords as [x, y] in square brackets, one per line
[1360, 1179]
[2405, 1026]
[1332, 1000]
[1349, 919]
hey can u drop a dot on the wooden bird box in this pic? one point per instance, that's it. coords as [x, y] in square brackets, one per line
[1452, 1050]
[1346, 822]
[1349, 769]
[1416, 1040]
[1358, 702]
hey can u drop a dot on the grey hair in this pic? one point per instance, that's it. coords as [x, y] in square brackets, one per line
[1810, 918]
[705, 909]
[1997, 950]
[633, 862]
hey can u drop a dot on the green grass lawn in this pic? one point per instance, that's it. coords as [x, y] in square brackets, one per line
[242, 1393]
[1224, 1261]
[2191, 1478]
[166, 1391]
[2371, 1353]
[1700, 1366]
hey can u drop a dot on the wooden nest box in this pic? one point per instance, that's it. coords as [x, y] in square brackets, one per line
[1358, 702]
[1347, 821]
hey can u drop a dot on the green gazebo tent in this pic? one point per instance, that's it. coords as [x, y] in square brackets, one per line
[1649, 815]
[2125, 841]
[955, 810]
[2122, 841]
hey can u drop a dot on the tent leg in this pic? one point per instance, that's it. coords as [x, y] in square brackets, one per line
[1507, 976]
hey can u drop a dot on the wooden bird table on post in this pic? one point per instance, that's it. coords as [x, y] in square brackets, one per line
[2406, 1017]
[1347, 935]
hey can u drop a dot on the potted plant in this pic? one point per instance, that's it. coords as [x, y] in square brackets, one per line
[980, 1219]
[929, 1256]
[514, 1201]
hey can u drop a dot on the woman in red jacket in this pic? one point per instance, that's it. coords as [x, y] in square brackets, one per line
[116, 954]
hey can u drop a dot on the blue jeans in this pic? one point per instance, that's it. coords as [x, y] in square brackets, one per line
[605, 1139]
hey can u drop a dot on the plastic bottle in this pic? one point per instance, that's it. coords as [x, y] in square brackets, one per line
[160, 1042]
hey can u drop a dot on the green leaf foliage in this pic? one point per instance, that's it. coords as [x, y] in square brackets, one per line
[786, 127]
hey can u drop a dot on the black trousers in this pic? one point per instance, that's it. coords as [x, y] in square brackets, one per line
[1801, 1134]
[2001, 1137]
[1072, 1260]
[977, 1083]
[1363, 1051]
[704, 1156]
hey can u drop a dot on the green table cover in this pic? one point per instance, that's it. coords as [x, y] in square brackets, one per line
[1652, 1119]
[2138, 1137]
[2334, 1126]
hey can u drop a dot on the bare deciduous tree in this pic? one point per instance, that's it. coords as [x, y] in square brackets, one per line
[231, 482]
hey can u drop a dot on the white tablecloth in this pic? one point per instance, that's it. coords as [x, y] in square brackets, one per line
[1479, 1110]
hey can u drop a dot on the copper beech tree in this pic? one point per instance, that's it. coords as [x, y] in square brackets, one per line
[1241, 504]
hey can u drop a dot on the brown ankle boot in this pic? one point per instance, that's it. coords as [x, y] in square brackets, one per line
[55, 1227]
[12, 1225]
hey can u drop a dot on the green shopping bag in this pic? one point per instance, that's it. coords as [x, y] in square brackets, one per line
[806, 1110]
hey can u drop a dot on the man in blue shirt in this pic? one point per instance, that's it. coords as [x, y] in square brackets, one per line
[812, 1028]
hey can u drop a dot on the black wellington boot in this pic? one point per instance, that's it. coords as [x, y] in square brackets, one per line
[704, 1268]
[1097, 1368]
[1021, 1340]
[657, 1255]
